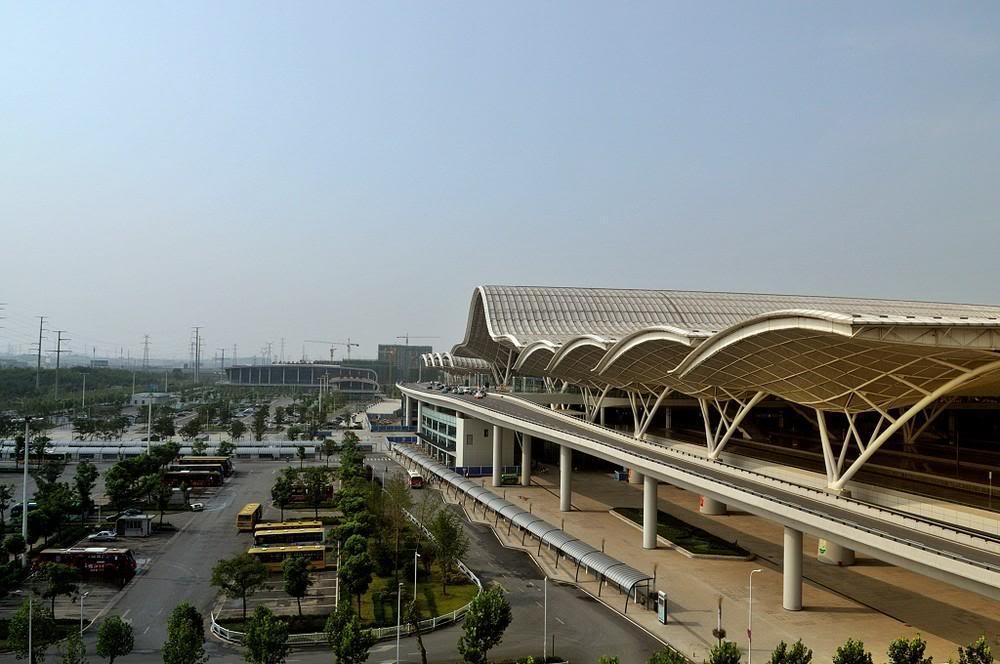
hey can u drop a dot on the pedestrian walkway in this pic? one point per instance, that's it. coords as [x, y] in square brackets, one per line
[890, 602]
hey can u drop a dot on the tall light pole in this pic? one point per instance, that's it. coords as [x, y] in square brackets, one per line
[399, 621]
[750, 617]
[84, 595]
[149, 423]
[24, 498]
[415, 556]
[545, 619]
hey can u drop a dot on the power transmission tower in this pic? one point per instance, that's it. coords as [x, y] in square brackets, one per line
[222, 358]
[197, 354]
[145, 351]
[269, 352]
[234, 354]
[58, 351]
[281, 358]
[38, 366]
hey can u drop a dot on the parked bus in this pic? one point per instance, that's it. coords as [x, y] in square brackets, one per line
[289, 536]
[225, 462]
[416, 479]
[193, 478]
[248, 517]
[110, 563]
[264, 526]
[212, 467]
[273, 556]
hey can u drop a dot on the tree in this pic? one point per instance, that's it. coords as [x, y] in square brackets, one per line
[413, 620]
[316, 485]
[977, 652]
[259, 426]
[669, 656]
[84, 481]
[237, 429]
[282, 490]
[162, 493]
[908, 651]
[74, 652]
[295, 574]
[114, 639]
[226, 448]
[726, 652]
[355, 575]
[185, 642]
[796, 654]
[239, 577]
[191, 428]
[199, 448]
[58, 579]
[14, 544]
[6, 497]
[349, 642]
[488, 617]
[329, 449]
[450, 543]
[54, 503]
[279, 416]
[398, 500]
[163, 426]
[300, 452]
[43, 631]
[266, 638]
[852, 652]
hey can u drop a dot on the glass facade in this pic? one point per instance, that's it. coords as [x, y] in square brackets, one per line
[438, 428]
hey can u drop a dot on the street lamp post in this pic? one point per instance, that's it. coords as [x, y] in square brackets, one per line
[545, 619]
[415, 556]
[399, 621]
[750, 617]
[84, 595]
[24, 498]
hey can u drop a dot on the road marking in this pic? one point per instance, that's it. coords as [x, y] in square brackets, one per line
[126, 610]
[560, 621]
[147, 626]
[539, 604]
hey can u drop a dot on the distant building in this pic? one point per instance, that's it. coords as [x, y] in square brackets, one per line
[403, 361]
[356, 382]
[146, 398]
[100, 364]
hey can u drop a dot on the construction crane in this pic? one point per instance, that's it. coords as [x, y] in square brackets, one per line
[347, 344]
[406, 338]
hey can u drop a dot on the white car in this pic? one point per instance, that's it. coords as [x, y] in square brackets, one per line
[197, 507]
[103, 536]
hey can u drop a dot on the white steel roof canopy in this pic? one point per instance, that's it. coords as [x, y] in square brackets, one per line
[833, 354]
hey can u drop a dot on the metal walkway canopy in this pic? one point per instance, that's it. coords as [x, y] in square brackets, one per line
[605, 568]
[828, 353]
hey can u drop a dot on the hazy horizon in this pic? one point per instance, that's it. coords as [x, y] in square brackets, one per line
[325, 171]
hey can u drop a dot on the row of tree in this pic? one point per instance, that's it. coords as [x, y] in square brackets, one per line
[900, 651]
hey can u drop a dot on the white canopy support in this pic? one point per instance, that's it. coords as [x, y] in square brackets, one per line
[731, 427]
[650, 413]
[897, 423]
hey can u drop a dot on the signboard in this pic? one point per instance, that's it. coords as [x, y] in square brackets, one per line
[661, 607]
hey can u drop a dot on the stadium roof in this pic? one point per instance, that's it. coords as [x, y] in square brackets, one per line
[829, 353]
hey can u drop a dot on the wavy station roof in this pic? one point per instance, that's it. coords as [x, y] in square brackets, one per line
[828, 353]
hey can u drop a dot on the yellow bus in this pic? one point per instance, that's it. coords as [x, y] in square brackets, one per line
[273, 556]
[264, 526]
[290, 536]
[248, 517]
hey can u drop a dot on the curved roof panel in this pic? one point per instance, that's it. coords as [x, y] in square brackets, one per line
[829, 353]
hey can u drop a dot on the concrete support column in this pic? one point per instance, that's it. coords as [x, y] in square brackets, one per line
[649, 512]
[711, 506]
[791, 571]
[634, 476]
[497, 461]
[407, 410]
[565, 478]
[525, 460]
[601, 411]
[668, 418]
[832, 553]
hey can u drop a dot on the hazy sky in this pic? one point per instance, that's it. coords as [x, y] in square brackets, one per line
[324, 170]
